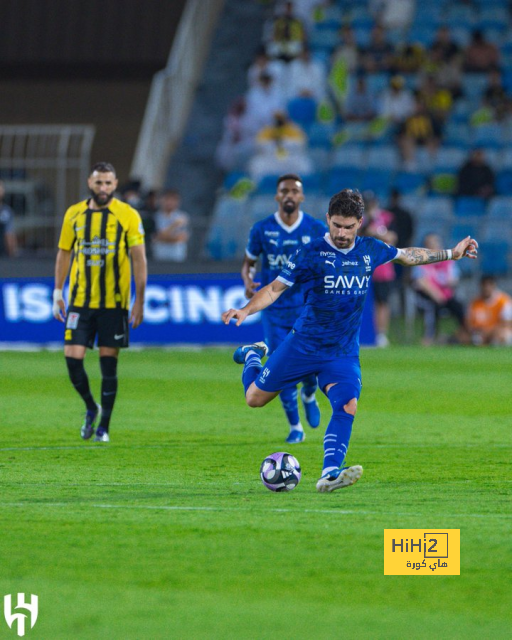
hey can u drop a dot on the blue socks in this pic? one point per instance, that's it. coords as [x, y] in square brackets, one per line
[252, 368]
[291, 408]
[339, 429]
[309, 385]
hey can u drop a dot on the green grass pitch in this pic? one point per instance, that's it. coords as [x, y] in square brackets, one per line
[167, 532]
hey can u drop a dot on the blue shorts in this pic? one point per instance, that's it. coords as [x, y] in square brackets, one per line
[275, 330]
[289, 366]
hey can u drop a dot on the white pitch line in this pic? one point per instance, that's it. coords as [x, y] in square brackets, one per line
[177, 444]
[249, 509]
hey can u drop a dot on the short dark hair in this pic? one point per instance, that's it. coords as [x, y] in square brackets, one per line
[103, 167]
[487, 277]
[288, 176]
[347, 203]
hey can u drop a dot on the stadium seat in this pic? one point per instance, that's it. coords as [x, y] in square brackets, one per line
[408, 183]
[313, 183]
[494, 258]
[456, 135]
[383, 156]
[378, 181]
[437, 207]
[504, 182]
[488, 135]
[474, 84]
[267, 185]
[349, 155]
[377, 82]
[261, 206]
[499, 208]
[320, 157]
[320, 135]
[496, 230]
[470, 206]
[343, 178]
[449, 159]
[303, 111]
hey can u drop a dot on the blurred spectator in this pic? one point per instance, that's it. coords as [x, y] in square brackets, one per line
[435, 286]
[8, 245]
[490, 315]
[236, 144]
[262, 102]
[172, 228]
[131, 194]
[281, 147]
[360, 103]
[378, 55]
[444, 48]
[263, 64]
[418, 130]
[347, 54]
[403, 223]
[480, 56]
[397, 102]
[393, 14]
[323, 11]
[288, 35]
[438, 101]
[409, 58]
[476, 178]
[496, 96]
[306, 77]
[378, 223]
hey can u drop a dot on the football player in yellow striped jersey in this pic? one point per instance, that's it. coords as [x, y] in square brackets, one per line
[101, 238]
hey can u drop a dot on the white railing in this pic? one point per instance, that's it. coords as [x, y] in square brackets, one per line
[44, 169]
[172, 92]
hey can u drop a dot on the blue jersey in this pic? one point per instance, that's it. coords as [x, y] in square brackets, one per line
[276, 243]
[335, 283]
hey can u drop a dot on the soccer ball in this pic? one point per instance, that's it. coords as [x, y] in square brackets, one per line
[280, 472]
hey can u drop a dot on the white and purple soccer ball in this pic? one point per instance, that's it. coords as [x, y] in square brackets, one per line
[280, 472]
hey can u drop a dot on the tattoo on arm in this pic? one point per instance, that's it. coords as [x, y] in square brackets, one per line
[417, 255]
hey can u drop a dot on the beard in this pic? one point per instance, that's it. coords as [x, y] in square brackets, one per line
[289, 207]
[102, 199]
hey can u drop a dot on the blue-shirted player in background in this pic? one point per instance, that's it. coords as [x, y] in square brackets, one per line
[276, 239]
[335, 272]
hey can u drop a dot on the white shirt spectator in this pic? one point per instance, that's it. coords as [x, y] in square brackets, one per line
[262, 102]
[396, 105]
[306, 77]
[171, 229]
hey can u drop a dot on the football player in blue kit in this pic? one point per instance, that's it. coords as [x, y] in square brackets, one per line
[276, 239]
[335, 272]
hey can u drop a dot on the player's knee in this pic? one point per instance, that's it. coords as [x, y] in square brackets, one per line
[253, 399]
[351, 407]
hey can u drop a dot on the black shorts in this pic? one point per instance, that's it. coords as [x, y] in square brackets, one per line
[110, 325]
[382, 291]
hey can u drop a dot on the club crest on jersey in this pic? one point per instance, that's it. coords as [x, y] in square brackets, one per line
[367, 262]
[306, 239]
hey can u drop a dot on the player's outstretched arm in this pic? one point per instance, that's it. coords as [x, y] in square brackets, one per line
[261, 300]
[467, 248]
[61, 273]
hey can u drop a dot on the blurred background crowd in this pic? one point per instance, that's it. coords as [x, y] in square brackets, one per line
[410, 102]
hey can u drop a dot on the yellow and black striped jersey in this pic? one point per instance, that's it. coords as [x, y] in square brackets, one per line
[100, 273]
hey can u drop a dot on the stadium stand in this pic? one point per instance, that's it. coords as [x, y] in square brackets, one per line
[456, 59]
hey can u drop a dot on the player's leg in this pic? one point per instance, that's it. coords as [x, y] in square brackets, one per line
[307, 394]
[343, 395]
[79, 334]
[112, 335]
[250, 356]
[288, 399]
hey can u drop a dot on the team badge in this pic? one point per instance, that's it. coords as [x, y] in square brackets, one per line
[72, 322]
[306, 239]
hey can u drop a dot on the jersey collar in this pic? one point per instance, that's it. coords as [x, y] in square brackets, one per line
[284, 226]
[327, 238]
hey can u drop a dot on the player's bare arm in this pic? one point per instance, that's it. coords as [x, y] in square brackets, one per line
[140, 275]
[261, 300]
[61, 273]
[247, 273]
[467, 248]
